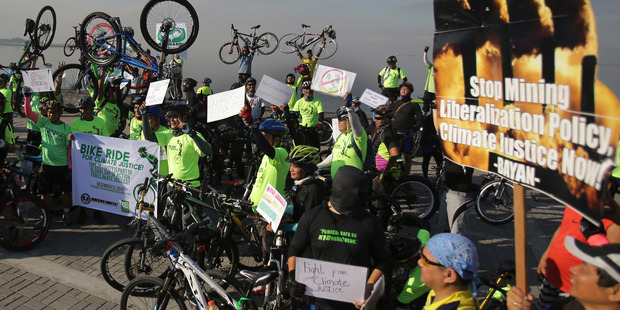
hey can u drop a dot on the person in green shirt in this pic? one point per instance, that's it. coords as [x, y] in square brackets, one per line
[429, 87]
[7, 141]
[55, 152]
[7, 113]
[107, 106]
[156, 121]
[184, 147]
[391, 75]
[312, 113]
[206, 87]
[290, 81]
[135, 123]
[310, 59]
[177, 70]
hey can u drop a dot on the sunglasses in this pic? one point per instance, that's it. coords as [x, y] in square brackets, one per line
[378, 118]
[427, 262]
[342, 119]
[169, 115]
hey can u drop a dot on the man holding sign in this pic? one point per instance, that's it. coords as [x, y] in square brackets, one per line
[311, 110]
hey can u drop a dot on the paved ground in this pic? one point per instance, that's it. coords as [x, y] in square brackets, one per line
[63, 272]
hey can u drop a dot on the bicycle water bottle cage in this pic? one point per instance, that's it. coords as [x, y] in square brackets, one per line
[29, 26]
[256, 27]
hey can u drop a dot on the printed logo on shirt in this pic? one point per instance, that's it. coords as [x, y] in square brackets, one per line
[333, 235]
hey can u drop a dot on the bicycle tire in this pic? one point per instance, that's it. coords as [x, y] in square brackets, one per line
[331, 46]
[325, 135]
[267, 43]
[250, 251]
[45, 28]
[70, 46]
[76, 80]
[416, 195]
[100, 27]
[495, 210]
[227, 262]
[177, 11]
[24, 225]
[141, 293]
[229, 54]
[288, 44]
[118, 263]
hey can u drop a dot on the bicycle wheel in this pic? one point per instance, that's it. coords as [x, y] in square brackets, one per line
[102, 39]
[330, 48]
[267, 43]
[77, 81]
[250, 252]
[290, 43]
[70, 46]
[495, 202]
[229, 54]
[121, 262]
[24, 222]
[180, 13]
[325, 135]
[228, 259]
[417, 196]
[142, 293]
[45, 28]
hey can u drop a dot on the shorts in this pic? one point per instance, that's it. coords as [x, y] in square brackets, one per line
[53, 175]
[406, 141]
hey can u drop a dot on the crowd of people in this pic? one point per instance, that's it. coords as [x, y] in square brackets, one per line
[448, 263]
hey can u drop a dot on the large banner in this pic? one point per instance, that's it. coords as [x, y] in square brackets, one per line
[107, 174]
[517, 95]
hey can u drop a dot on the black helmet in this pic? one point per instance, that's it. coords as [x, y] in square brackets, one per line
[391, 59]
[304, 155]
[384, 110]
[53, 104]
[181, 108]
[302, 69]
[306, 84]
[190, 82]
[86, 101]
[356, 99]
[250, 80]
[342, 113]
[274, 127]
[408, 85]
[290, 75]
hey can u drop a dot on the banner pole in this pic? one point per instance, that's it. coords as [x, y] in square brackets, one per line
[520, 222]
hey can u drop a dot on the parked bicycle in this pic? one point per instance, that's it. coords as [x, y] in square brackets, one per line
[495, 200]
[266, 44]
[326, 40]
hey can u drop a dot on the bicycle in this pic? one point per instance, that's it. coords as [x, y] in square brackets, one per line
[266, 44]
[326, 40]
[325, 132]
[72, 43]
[495, 201]
[77, 79]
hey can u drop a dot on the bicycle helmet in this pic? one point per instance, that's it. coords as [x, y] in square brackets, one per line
[342, 113]
[190, 82]
[356, 99]
[155, 111]
[207, 80]
[274, 127]
[250, 80]
[86, 101]
[304, 155]
[392, 59]
[290, 75]
[408, 85]
[181, 108]
[138, 99]
[302, 69]
[53, 104]
[306, 84]
[384, 110]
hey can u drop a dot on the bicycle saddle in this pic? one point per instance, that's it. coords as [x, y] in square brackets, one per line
[29, 26]
[305, 26]
[259, 277]
[256, 27]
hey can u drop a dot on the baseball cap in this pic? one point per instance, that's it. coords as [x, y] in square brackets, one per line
[605, 257]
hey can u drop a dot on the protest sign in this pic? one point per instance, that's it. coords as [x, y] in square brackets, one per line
[176, 36]
[157, 92]
[272, 206]
[373, 99]
[38, 80]
[332, 281]
[335, 129]
[274, 91]
[107, 172]
[226, 104]
[332, 81]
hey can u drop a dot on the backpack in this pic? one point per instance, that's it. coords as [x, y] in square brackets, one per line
[368, 163]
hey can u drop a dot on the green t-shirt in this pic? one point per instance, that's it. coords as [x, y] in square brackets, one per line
[205, 90]
[430, 79]
[271, 171]
[163, 135]
[391, 76]
[343, 153]
[178, 63]
[309, 111]
[135, 129]
[111, 115]
[293, 99]
[34, 103]
[6, 91]
[9, 137]
[96, 126]
[183, 155]
[54, 142]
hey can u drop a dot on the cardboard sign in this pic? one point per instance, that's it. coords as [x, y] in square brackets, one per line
[331, 280]
[332, 81]
[272, 206]
[274, 91]
[226, 104]
[373, 99]
[335, 129]
[157, 92]
[38, 80]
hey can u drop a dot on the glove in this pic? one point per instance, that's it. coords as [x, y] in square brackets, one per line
[295, 288]
[348, 100]
[319, 127]
[426, 49]
[595, 235]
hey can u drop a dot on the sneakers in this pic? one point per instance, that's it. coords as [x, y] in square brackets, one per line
[99, 217]
[81, 217]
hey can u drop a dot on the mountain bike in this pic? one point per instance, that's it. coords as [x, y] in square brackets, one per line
[72, 43]
[77, 80]
[495, 201]
[265, 44]
[325, 41]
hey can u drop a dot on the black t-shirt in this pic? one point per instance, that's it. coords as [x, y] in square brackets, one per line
[458, 178]
[306, 196]
[408, 115]
[385, 134]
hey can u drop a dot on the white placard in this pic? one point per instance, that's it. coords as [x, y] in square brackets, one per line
[332, 81]
[377, 292]
[38, 80]
[157, 92]
[373, 99]
[272, 206]
[335, 129]
[331, 280]
[108, 171]
[274, 91]
[226, 104]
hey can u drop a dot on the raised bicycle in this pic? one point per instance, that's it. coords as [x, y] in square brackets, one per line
[325, 40]
[265, 43]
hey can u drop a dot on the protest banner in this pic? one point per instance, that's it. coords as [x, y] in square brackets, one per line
[38, 80]
[332, 281]
[332, 81]
[274, 91]
[373, 99]
[157, 92]
[177, 35]
[107, 172]
[226, 104]
[272, 206]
